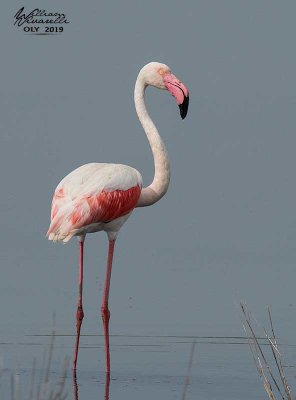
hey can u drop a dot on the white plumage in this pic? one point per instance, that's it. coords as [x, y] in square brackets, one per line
[78, 197]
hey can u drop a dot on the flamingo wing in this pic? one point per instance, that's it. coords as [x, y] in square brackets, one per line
[93, 193]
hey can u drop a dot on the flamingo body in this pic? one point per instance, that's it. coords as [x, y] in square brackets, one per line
[92, 198]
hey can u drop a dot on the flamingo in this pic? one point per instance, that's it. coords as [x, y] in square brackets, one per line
[101, 197]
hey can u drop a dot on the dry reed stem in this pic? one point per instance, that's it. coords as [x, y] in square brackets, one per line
[270, 380]
[187, 380]
[43, 389]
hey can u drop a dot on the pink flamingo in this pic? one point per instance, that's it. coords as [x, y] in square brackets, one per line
[100, 197]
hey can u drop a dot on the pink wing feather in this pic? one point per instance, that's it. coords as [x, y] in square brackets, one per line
[76, 206]
[104, 207]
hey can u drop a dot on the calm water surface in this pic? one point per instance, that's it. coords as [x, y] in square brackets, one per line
[143, 366]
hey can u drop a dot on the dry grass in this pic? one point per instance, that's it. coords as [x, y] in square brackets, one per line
[40, 386]
[271, 373]
[187, 379]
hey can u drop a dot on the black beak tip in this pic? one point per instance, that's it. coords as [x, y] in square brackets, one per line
[184, 107]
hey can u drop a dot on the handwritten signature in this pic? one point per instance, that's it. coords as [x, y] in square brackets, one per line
[38, 16]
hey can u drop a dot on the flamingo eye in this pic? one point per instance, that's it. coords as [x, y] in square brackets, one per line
[161, 71]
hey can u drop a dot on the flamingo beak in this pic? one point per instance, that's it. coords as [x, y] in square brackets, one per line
[179, 91]
[184, 106]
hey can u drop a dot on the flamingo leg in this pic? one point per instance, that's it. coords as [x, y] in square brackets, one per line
[79, 313]
[104, 308]
[107, 386]
[75, 385]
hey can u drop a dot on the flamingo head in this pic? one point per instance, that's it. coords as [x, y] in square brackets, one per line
[160, 76]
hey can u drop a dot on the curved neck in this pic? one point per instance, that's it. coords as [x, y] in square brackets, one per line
[159, 186]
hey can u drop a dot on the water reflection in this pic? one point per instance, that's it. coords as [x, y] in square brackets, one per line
[75, 386]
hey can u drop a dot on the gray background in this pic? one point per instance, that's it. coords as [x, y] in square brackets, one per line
[225, 231]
